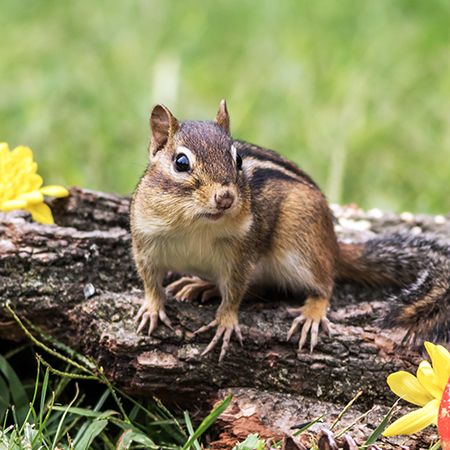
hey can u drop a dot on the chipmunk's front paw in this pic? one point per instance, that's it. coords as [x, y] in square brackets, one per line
[190, 288]
[312, 314]
[225, 328]
[147, 314]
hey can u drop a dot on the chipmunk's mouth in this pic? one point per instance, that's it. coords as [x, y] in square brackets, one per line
[213, 216]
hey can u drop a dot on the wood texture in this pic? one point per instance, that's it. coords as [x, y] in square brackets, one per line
[77, 281]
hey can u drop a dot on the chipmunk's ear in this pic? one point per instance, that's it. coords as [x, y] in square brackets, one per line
[222, 117]
[163, 125]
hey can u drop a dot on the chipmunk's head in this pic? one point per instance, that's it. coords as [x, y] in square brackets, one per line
[195, 168]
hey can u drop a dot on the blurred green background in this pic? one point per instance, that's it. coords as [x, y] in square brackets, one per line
[357, 92]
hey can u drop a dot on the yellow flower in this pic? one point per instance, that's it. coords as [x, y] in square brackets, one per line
[20, 185]
[425, 390]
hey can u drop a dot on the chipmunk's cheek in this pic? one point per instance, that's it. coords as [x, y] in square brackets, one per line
[201, 199]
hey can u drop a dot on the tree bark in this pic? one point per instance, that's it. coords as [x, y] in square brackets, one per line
[77, 282]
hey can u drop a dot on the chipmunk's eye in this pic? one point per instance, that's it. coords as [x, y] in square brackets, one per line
[238, 161]
[182, 163]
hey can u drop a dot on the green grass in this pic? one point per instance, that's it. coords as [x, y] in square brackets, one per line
[52, 412]
[356, 92]
[49, 410]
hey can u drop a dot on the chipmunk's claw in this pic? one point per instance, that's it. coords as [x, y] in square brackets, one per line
[190, 288]
[309, 325]
[312, 317]
[207, 327]
[222, 331]
[151, 317]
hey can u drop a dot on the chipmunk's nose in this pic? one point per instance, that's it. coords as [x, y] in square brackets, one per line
[224, 199]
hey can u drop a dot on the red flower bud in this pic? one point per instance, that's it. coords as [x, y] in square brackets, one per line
[444, 418]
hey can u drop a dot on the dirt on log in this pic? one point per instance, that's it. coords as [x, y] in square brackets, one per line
[76, 281]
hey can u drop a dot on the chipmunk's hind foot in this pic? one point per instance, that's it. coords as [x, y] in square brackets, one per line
[312, 315]
[190, 288]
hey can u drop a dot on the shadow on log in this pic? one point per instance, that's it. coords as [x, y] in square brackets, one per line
[77, 282]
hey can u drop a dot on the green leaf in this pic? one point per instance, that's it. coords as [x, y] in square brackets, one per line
[18, 394]
[4, 398]
[130, 436]
[208, 421]
[252, 442]
[91, 432]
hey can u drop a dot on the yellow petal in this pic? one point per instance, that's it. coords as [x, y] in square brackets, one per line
[55, 191]
[22, 152]
[428, 379]
[406, 386]
[414, 421]
[33, 167]
[41, 213]
[32, 197]
[34, 181]
[440, 359]
[4, 150]
[10, 205]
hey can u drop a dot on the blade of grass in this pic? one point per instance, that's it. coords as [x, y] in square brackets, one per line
[62, 384]
[133, 413]
[358, 419]
[187, 421]
[63, 417]
[86, 412]
[43, 394]
[308, 425]
[380, 428]
[112, 390]
[180, 435]
[129, 436]
[169, 415]
[347, 406]
[36, 388]
[91, 432]
[56, 415]
[4, 398]
[5, 419]
[70, 425]
[43, 422]
[208, 421]
[16, 350]
[125, 425]
[96, 408]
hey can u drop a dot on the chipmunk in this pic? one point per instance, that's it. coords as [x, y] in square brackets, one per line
[233, 214]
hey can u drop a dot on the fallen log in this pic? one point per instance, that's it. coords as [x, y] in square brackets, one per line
[76, 281]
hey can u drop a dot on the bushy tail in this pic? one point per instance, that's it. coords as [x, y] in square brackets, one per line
[420, 265]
